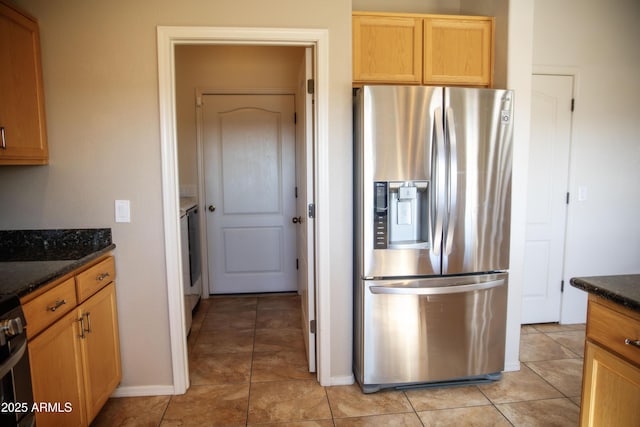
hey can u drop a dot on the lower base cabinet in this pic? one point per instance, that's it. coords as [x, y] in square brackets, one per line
[612, 397]
[56, 372]
[611, 377]
[75, 363]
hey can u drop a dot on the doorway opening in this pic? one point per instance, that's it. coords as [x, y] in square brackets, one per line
[245, 151]
[168, 39]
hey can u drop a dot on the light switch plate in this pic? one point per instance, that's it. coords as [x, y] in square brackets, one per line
[123, 211]
[583, 193]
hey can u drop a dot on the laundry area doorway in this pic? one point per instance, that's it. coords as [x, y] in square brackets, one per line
[223, 72]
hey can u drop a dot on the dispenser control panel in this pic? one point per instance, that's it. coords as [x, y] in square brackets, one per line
[381, 210]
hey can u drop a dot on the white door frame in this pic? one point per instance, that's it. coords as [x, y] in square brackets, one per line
[168, 38]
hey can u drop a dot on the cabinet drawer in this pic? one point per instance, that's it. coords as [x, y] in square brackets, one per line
[42, 311]
[611, 328]
[95, 278]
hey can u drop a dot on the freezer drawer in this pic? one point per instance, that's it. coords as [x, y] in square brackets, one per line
[429, 330]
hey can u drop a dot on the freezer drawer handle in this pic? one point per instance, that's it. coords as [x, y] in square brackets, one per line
[404, 290]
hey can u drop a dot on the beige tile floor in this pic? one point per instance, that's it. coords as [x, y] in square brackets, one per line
[247, 367]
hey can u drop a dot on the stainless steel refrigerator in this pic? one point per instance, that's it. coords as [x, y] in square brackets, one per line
[432, 216]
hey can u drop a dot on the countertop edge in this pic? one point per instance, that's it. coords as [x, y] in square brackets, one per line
[587, 286]
[41, 281]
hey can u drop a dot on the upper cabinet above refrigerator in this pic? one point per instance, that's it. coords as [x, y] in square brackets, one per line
[406, 48]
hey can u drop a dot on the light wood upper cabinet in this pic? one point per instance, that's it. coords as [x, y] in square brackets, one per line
[458, 51]
[23, 137]
[387, 49]
[403, 48]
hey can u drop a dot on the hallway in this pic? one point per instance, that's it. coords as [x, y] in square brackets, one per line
[248, 367]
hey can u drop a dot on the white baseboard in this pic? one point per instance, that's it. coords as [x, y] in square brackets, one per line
[150, 390]
[512, 366]
[340, 380]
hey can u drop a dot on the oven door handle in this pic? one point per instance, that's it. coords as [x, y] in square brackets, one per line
[13, 360]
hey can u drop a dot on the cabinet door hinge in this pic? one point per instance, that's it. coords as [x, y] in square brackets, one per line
[295, 118]
[561, 286]
[568, 197]
[297, 264]
[312, 326]
[311, 86]
[573, 104]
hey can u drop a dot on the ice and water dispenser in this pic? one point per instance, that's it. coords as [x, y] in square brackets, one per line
[401, 215]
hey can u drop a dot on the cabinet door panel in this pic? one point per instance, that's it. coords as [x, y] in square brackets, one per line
[612, 390]
[56, 372]
[22, 106]
[100, 349]
[458, 51]
[387, 49]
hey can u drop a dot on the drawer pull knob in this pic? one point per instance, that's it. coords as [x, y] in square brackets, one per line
[635, 343]
[57, 305]
[102, 276]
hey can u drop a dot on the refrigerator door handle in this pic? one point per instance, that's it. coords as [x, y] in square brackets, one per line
[440, 290]
[452, 193]
[440, 182]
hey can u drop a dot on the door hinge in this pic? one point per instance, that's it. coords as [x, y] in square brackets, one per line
[312, 210]
[297, 264]
[573, 104]
[568, 197]
[311, 86]
[561, 286]
[312, 326]
[295, 118]
[296, 191]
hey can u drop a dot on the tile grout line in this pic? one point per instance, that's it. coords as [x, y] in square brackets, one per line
[253, 352]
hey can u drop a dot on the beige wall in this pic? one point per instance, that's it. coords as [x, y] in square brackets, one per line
[201, 67]
[409, 6]
[101, 86]
[597, 41]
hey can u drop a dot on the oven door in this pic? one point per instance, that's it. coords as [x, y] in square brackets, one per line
[15, 383]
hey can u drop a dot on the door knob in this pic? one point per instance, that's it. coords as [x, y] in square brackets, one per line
[212, 208]
[297, 220]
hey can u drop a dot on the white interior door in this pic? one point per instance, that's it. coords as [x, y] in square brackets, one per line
[547, 197]
[249, 158]
[304, 184]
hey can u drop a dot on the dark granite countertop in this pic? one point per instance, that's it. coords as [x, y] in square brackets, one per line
[623, 289]
[32, 258]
